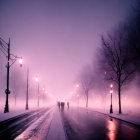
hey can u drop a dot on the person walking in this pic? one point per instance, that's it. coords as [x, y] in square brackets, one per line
[68, 105]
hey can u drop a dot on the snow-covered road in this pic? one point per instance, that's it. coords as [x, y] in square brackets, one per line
[13, 127]
[40, 124]
[66, 124]
[38, 129]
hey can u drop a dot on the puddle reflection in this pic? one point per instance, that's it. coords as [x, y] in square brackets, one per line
[111, 126]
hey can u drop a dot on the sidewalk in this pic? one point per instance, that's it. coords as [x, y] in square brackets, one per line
[130, 118]
[56, 131]
[127, 118]
[14, 113]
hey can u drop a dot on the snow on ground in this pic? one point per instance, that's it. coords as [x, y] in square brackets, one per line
[49, 126]
[14, 112]
[133, 118]
[56, 131]
[20, 109]
[38, 130]
[55, 126]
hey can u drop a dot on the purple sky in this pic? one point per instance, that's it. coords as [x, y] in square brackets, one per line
[56, 38]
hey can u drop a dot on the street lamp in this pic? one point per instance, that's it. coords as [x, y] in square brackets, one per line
[27, 84]
[78, 99]
[20, 61]
[111, 91]
[27, 89]
[77, 85]
[5, 49]
[37, 80]
[43, 89]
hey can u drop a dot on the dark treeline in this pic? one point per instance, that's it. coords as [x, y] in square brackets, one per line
[118, 57]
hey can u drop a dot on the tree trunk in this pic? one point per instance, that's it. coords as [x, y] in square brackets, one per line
[119, 94]
[87, 99]
[15, 100]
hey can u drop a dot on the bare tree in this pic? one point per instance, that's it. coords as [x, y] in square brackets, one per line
[87, 81]
[17, 84]
[14, 86]
[116, 59]
[133, 28]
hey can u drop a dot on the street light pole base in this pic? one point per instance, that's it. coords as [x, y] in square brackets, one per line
[6, 109]
[111, 110]
[26, 107]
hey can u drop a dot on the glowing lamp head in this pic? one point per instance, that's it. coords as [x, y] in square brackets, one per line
[111, 91]
[43, 89]
[36, 79]
[77, 86]
[20, 62]
[111, 86]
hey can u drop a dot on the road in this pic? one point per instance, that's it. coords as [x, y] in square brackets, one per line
[81, 124]
[27, 126]
[68, 124]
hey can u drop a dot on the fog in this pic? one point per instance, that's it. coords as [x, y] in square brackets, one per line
[56, 39]
[100, 100]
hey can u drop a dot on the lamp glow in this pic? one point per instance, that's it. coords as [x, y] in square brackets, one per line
[20, 62]
[77, 85]
[36, 79]
[111, 86]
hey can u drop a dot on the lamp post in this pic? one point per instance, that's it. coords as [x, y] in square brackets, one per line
[43, 89]
[27, 107]
[5, 49]
[27, 84]
[46, 96]
[78, 99]
[111, 91]
[37, 80]
[7, 91]
[77, 86]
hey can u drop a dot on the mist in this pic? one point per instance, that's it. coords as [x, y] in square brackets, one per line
[56, 40]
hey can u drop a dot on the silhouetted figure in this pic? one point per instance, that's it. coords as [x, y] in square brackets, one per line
[62, 106]
[58, 104]
[68, 105]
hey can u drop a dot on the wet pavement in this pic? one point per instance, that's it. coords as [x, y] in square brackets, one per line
[41, 124]
[67, 124]
[81, 124]
[16, 126]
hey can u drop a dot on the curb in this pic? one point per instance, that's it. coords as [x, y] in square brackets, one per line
[132, 123]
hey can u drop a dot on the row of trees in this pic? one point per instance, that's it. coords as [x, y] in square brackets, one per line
[118, 57]
[18, 87]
